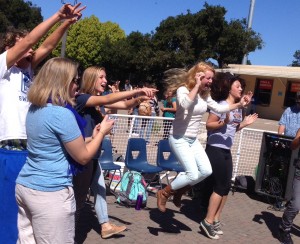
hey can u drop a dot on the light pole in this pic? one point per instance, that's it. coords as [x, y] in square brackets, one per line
[249, 26]
[64, 38]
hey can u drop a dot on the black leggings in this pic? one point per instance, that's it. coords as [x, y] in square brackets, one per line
[221, 163]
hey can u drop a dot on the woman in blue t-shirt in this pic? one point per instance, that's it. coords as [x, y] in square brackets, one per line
[227, 89]
[56, 148]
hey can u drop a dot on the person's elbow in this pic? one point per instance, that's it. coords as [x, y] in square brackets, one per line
[81, 159]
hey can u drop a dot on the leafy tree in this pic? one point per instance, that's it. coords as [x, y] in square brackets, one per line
[19, 15]
[86, 40]
[296, 62]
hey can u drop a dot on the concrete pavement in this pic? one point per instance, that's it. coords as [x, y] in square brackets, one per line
[246, 219]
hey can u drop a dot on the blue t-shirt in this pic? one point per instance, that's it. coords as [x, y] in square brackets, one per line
[47, 167]
[224, 136]
[291, 120]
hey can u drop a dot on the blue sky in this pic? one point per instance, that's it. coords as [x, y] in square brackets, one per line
[277, 21]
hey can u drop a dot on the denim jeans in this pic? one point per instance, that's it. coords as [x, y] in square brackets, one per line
[191, 155]
[147, 124]
[99, 189]
[136, 122]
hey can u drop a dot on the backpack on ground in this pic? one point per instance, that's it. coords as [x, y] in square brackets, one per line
[132, 183]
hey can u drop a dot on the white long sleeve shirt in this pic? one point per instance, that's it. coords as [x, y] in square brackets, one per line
[189, 113]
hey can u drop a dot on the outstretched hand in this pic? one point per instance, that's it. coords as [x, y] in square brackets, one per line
[149, 92]
[73, 13]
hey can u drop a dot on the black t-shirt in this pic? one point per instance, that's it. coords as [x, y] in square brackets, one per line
[90, 114]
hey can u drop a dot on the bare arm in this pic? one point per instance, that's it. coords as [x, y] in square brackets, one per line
[281, 129]
[173, 109]
[124, 105]
[83, 152]
[116, 97]
[21, 47]
[213, 122]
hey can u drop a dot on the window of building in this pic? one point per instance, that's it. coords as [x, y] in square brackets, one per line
[291, 89]
[263, 91]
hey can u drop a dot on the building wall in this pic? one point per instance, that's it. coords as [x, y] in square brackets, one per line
[276, 107]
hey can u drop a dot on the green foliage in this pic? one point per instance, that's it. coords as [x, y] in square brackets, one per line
[179, 41]
[86, 40]
[19, 14]
[296, 62]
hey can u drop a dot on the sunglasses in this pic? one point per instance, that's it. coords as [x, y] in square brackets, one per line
[76, 80]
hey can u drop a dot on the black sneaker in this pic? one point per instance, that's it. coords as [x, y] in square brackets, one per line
[217, 228]
[209, 230]
[284, 237]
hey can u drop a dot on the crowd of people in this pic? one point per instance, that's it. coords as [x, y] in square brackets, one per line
[51, 131]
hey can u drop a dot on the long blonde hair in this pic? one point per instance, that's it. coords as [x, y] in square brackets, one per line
[89, 78]
[175, 78]
[53, 82]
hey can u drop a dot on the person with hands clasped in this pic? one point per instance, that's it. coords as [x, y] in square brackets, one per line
[192, 100]
[17, 61]
[88, 99]
[56, 146]
[227, 89]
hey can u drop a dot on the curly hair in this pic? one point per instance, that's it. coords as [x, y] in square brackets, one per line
[222, 84]
[10, 38]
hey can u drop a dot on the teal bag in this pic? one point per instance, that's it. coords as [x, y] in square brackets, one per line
[132, 183]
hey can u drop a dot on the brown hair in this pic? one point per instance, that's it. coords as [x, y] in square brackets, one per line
[10, 38]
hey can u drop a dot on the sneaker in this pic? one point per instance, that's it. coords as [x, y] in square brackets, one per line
[284, 237]
[112, 231]
[217, 228]
[209, 230]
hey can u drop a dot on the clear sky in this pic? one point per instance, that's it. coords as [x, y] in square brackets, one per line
[277, 21]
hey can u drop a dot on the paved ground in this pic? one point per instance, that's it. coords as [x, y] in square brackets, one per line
[246, 219]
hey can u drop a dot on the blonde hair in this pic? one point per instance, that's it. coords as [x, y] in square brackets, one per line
[89, 78]
[53, 81]
[175, 78]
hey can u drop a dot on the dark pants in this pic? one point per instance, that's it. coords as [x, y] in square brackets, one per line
[221, 163]
[292, 208]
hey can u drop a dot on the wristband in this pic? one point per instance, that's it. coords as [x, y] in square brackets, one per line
[102, 133]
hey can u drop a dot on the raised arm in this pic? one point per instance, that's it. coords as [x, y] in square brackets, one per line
[21, 47]
[51, 42]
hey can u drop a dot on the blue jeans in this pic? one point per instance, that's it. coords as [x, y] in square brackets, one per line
[99, 189]
[149, 124]
[136, 122]
[191, 155]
